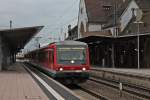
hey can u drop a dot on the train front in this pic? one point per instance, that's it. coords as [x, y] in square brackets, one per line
[73, 63]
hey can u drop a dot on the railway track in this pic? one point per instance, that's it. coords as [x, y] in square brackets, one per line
[82, 92]
[90, 94]
[93, 93]
[93, 86]
[56, 87]
[140, 92]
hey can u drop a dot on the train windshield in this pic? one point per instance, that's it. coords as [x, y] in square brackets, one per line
[71, 56]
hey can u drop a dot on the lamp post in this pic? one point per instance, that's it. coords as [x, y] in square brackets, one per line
[138, 42]
[138, 21]
[115, 34]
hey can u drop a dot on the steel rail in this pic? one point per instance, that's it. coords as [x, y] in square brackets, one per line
[132, 89]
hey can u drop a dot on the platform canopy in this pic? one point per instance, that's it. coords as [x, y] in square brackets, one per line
[91, 38]
[17, 38]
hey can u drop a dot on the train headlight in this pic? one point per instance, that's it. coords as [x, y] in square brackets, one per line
[83, 68]
[72, 61]
[61, 69]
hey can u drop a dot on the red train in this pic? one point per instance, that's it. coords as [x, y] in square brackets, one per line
[67, 61]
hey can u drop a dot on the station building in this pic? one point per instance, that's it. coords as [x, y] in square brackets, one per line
[112, 28]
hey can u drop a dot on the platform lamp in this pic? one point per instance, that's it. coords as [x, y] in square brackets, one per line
[10, 22]
[138, 15]
[37, 41]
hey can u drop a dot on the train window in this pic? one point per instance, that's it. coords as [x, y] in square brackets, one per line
[42, 56]
[71, 55]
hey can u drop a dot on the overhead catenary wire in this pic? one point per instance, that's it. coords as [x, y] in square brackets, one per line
[65, 12]
[59, 25]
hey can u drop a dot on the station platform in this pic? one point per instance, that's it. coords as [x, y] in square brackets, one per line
[17, 84]
[127, 71]
[139, 77]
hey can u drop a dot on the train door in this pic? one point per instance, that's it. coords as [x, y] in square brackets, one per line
[51, 59]
[43, 58]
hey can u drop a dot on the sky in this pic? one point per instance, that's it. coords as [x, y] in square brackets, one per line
[55, 15]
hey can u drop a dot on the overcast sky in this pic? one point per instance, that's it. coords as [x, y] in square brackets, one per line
[53, 14]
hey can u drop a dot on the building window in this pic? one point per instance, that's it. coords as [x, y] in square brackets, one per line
[107, 7]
